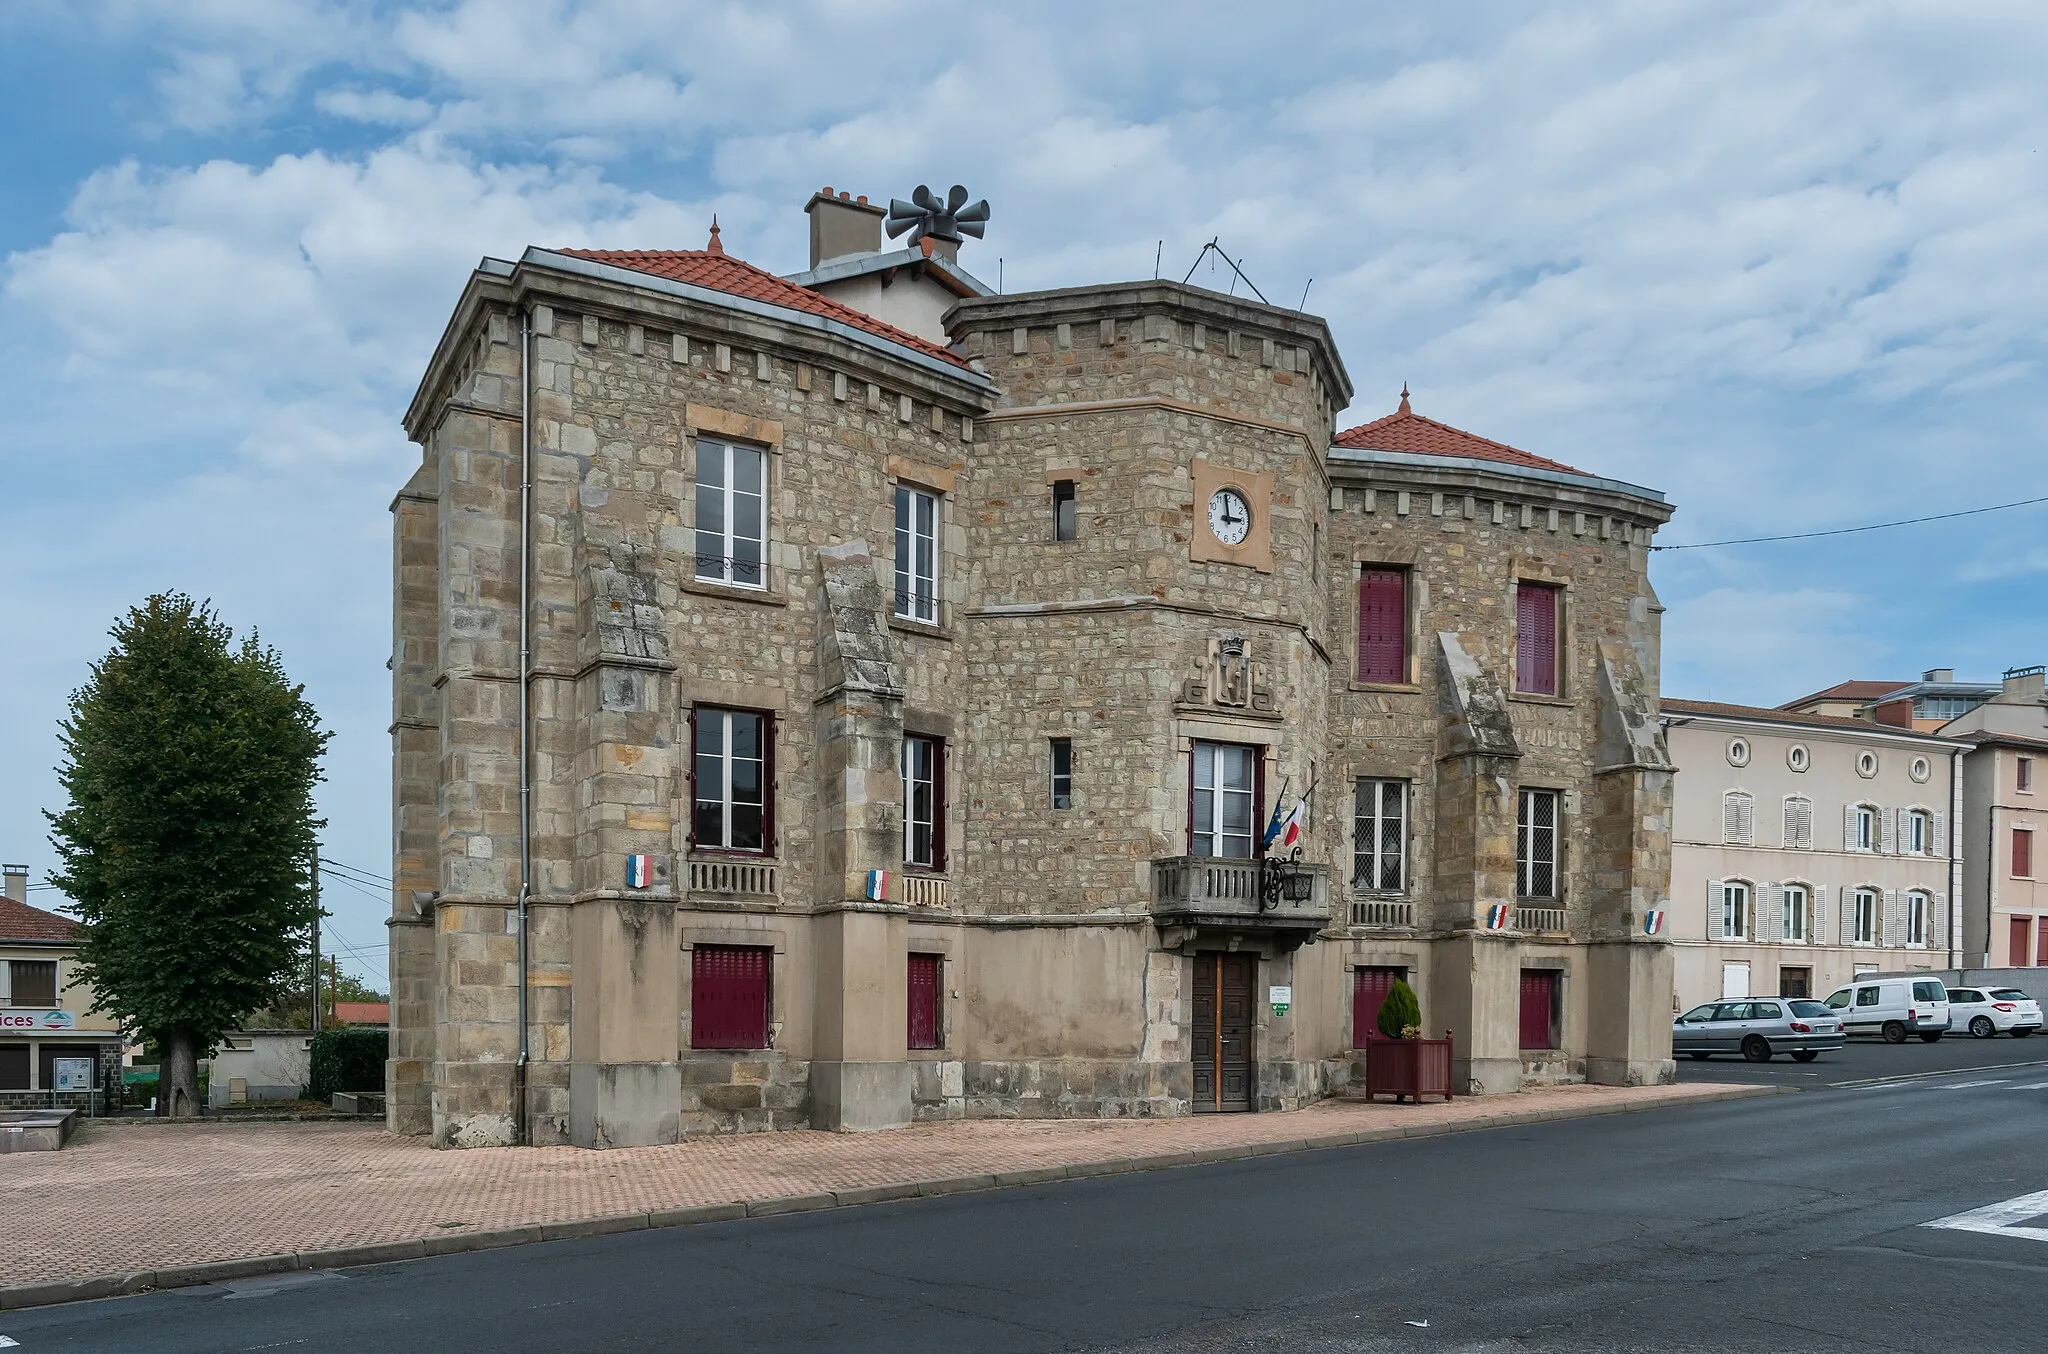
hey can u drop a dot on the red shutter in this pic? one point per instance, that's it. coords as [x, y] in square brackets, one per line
[1259, 818]
[1383, 625]
[924, 1001]
[690, 810]
[2017, 943]
[1369, 988]
[1539, 1006]
[2022, 853]
[1536, 639]
[2041, 941]
[729, 996]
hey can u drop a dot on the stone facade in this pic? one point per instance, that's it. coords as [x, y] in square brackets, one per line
[1059, 941]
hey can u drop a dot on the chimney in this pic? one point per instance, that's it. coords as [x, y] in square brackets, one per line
[2025, 684]
[15, 878]
[842, 225]
[1938, 675]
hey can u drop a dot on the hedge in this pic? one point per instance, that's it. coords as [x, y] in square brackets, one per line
[348, 1060]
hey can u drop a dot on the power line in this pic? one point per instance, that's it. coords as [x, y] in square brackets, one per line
[371, 875]
[1846, 531]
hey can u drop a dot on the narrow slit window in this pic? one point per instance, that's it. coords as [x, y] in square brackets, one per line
[1065, 516]
[1063, 773]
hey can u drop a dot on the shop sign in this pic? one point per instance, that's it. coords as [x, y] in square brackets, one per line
[15, 1019]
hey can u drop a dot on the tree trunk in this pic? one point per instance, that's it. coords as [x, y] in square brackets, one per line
[177, 1077]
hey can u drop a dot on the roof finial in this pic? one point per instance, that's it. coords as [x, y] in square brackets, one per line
[714, 247]
[1404, 409]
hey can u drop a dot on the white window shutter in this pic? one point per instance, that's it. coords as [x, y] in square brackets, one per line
[1888, 831]
[1848, 827]
[1817, 915]
[1770, 914]
[1748, 820]
[1848, 916]
[1803, 821]
[1715, 929]
[1894, 918]
[1789, 831]
[1937, 924]
[1940, 844]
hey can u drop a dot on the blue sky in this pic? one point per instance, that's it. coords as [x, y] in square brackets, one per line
[1782, 261]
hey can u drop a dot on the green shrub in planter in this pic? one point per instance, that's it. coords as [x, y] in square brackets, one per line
[348, 1060]
[1400, 1013]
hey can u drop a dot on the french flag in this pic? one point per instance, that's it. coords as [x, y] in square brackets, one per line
[639, 872]
[1497, 917]
[878, 886]
[1653, 921]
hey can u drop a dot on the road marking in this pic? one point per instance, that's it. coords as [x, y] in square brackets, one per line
[1967, 1085]
[1923, 1076]
[6, 1343]
[1998, 1219]
[2030, 1086]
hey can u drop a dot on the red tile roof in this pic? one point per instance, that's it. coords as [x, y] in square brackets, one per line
[1406, 430]
[1710, 709]
[362, 1012]
[720, 271]
[20, 922]
[1858, 691]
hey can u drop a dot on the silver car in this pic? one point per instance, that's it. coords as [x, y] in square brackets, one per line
[1758, 1028]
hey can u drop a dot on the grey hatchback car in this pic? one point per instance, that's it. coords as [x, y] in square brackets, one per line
[1758, 1028]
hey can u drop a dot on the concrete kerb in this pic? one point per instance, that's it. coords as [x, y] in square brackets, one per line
[450, 1243]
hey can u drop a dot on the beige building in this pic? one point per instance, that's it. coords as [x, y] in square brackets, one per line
[2005, 886]
[55, 1049]
[802, 721]
[1807, 849]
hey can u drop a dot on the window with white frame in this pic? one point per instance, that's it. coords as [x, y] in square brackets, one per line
[1919, 831]
[1798, 915]
[1798, 822]
[1734, 910]
[1918, 906]
[924, 802]
[731, 513]
[730, 771]
[1379, 854]
[1223, 810]
[917, 555]
[1863, 835]
[1738, 818]
[1536, 821]
[1864, 905]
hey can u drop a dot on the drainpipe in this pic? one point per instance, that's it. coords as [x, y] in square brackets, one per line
[521, 1132]
[1955, 858]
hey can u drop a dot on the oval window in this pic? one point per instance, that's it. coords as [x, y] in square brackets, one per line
[1797, 757]
[1866, 764]
[1920, 770]
[1738, 752]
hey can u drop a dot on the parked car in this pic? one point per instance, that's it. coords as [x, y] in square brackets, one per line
[1894, 1008]
[1758, 1029]
[1986, 1012]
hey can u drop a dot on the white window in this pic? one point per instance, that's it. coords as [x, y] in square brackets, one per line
[1379, 836]
[1536, 844]
[730, 770]
[1917, 908]
[1919, 832]
[917, 555]
[731, 514]
[1863, 915]
[1738, 818]
[1798, 822]
[1863, 835]
[924, 802]
[1224, 810]
[1797, 913]
[1734, 910]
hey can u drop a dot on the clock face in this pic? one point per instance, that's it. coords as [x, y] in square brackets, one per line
[1230, 517]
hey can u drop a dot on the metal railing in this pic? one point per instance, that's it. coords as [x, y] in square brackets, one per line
[746, 878]
[1382, 912]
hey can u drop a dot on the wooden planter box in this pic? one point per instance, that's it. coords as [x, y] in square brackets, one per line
[1405, 1068]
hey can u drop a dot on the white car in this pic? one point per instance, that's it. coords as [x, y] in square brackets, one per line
[1988, 1011]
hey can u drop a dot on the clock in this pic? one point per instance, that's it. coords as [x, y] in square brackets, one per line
[1230, 517]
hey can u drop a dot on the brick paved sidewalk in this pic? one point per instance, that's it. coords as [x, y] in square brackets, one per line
[131, 1200]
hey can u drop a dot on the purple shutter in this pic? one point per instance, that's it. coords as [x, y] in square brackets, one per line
[767, 783]
[1536, 639]
[1383, 625]
[729, 996]
[924, 1001]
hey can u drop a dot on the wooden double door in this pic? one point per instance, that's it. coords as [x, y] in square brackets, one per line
[1223, 1026]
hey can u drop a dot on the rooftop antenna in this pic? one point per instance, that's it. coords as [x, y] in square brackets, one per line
[1304, 294]
[1158, 253]
[1234, 268]
[999, 274]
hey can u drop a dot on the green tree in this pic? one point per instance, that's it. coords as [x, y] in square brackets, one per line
[190, 762]
[1400, 1012]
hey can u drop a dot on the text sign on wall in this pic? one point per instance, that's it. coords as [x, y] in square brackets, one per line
[18, 1019]
[1279, 998]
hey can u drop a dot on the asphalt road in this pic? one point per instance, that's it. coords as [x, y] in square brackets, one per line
[1864, 1059]
[1791, 1223]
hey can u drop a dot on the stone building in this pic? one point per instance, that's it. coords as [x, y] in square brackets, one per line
[1808, 850]
[801, 720]
[2004, 897]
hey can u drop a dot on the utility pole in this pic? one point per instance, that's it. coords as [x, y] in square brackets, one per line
[313, 995]
[333, 983]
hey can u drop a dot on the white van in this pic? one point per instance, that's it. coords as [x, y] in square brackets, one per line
[1894, 1008]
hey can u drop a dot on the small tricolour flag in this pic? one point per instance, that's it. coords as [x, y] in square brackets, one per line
[1497, 915]
[878, 886]
[639, 872]
[1653, 921]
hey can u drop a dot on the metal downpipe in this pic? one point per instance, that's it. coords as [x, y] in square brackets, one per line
[522, 1132]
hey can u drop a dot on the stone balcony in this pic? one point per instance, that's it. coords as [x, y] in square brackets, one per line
[1193, 894]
